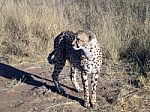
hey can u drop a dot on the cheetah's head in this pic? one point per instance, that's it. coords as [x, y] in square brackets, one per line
[81, 42]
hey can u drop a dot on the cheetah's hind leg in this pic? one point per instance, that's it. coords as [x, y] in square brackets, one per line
[57, 69]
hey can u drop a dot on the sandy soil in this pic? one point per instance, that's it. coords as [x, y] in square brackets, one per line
[29, 88]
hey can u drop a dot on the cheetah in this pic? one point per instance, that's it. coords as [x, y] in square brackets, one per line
[84, 53]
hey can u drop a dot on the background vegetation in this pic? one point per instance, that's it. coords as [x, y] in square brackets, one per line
[28, 28]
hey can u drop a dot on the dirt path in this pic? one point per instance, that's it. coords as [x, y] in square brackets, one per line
[29, 88]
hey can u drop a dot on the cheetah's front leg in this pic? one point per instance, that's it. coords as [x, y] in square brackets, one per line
[94, 84]
[86, 89]
[74, 79]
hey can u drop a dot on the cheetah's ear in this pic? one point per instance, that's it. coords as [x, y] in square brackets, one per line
[91, 35]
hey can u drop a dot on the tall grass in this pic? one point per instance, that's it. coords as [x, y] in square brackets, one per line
[29, 26]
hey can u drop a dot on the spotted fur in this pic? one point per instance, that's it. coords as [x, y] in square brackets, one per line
[91, 62]
[84, 53]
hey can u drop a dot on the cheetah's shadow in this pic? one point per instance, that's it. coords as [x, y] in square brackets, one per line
[12, 73]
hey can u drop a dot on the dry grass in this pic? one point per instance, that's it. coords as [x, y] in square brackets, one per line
[28, 30]
[29, 27]
[8, 84]
[123, 27]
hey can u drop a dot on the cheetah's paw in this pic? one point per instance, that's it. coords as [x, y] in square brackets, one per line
[86, 104]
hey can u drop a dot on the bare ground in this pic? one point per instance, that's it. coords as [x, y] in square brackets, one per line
[29, 88]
